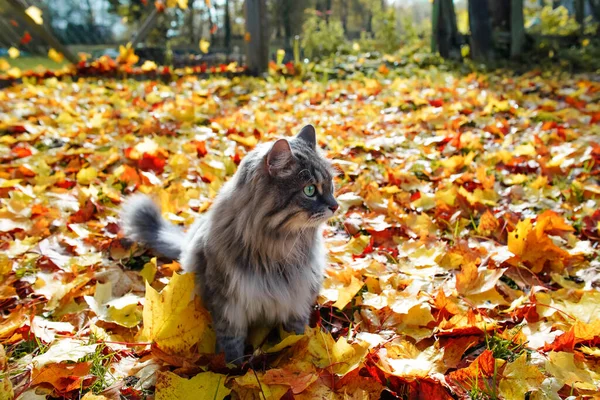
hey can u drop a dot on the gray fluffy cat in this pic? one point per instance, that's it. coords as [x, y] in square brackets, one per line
[258, 252]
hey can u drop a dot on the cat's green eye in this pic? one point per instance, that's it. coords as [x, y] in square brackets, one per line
[310, 190]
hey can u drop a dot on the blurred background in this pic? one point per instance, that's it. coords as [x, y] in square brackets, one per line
[213, 32]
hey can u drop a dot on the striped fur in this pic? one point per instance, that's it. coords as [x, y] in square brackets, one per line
[258, 253]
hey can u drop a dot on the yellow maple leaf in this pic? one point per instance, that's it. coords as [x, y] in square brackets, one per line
[519, 378]
[13, 52]
[6, 388]
[280, 56]
[4, 65]
[286, 342]
[248, 141]
[564, 367]
[347, 293]
[85, 176]
[323, 351]
[173, 320]
[149, 66]
[5, 265]
[204, 386]
[56, 56]
[252, 385]
[122, 311]
[204, 45]
[149, 270]
[35, 14]
[127, 55]
[183, 4]
[402, 358]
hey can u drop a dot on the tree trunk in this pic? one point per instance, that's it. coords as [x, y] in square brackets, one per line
[481, 30]
[227, 42]
[344, 17]
[517, 28]
[327, 10]
[257, 47]
[500, 11]
[445, 38]
[580, 15]
[286, 18]
[595, 7]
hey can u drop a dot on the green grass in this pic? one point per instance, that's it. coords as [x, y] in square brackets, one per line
[34, 62]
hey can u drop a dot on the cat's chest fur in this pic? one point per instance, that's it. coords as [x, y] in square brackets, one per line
[275, 296]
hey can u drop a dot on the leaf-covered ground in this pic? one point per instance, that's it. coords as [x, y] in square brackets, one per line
[463, 262]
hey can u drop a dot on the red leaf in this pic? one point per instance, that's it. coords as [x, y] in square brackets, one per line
[160, 6]
[21, 152]
[66, 184]
[564, 342]
[84, 214]
[213, 29]
[152, 163]
[200, 148]
[14, 23]
[26, 38]
[436, 102]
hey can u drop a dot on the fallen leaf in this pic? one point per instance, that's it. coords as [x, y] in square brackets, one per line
[519, 378]
[206, 385]
[35, 14]
[171, 318]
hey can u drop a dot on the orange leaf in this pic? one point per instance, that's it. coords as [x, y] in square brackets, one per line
[64, 377]
[454, 349]
[564, 342]
[552, 223]
[488, 223]
[480, 369]
[442, 303]
[466, 277]
[21, 152]
[298, 381]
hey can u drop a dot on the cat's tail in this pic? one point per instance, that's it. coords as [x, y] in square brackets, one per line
[141, 221]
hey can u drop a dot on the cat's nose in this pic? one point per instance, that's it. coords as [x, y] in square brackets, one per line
[334, 207]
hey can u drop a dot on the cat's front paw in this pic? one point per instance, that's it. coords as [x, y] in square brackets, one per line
[296, 325]
[233, 347]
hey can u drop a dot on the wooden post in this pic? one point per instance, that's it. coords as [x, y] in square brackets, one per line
[257, 36]
[146, 27]
[517, 28]
[40, 30]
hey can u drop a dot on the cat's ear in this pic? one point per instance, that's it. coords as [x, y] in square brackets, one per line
[280, 157]
[308, 136]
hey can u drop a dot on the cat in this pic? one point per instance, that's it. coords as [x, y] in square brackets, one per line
[258, 252]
